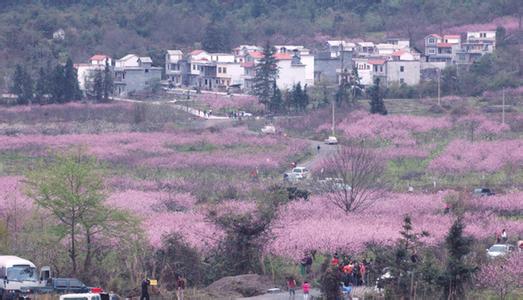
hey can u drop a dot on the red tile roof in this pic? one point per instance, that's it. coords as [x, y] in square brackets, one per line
[248, 64]
[282, 56]
[399, 53]
[99, 57]
[444, 45]
[377, 61]
[196, 52]
[256, 54]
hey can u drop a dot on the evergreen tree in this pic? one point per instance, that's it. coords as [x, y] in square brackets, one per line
[22, 86]
[98, 86]
[377, 106]
[266, 75]
[18, 81]
[277, 104]
[449, 81]
[216, 37]
[27, 89]
[57, 85]
[107, 83]
[458, 272]
[41, 88]
[71, 86]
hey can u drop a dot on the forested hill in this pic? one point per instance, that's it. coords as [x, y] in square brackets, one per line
[150, 26]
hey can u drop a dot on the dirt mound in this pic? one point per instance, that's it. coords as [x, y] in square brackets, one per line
[241, 286]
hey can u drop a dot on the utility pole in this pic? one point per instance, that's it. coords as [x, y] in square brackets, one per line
[439, 87]
[503, 107]
[333, 131]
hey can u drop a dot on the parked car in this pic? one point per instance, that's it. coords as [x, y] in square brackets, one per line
[81, 296]
[244, 114]
[484, 192]
[498, 250]
[334, 184]
[268, 129]
[298, 173]
[67, 285]
[331, 140]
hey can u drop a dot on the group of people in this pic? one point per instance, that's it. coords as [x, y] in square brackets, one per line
[353, 272]
[180, 283]
[292, 286]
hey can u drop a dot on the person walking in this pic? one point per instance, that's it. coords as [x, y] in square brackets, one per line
[291, 285]
[180, 287]
[306, 289]
[145, 289]
[504, 236]
[363, 270]
[318, 148]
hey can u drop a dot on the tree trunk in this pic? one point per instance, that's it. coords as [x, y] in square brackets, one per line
[88, 252]
[72, 251]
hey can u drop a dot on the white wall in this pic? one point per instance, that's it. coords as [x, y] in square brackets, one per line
[290, 75]
[308, 61]
[364, 71]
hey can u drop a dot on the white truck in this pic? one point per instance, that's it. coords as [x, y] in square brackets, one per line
[19, 276]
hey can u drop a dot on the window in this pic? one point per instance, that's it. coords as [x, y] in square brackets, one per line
[194, 67]
[123, 75]
[224, 70]
[402, 69]
[483, 34]
[402, 81]
[432, 51]
[431, 41]
[219, 69]
[381, 68]
[146, 70]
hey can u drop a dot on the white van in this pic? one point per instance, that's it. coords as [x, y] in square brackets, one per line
[87, 296]
[17, 274]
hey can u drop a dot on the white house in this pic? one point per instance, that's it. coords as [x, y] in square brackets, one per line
[174, 67]
[135, 73]
[481, 36]
[86, 71]
[291, 70]
[403, 72]
[336, 46]
[366, 48]
[364, 70]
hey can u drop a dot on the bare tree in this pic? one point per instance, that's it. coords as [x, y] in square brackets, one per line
[356, 178]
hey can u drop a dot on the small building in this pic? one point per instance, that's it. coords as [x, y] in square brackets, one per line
[175, 67]
[133, 73]
[403, 72]
[86, 71]
[366, 49]
[326, 66]
[291, 70]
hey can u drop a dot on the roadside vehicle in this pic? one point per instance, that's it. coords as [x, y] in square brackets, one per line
[301, 173]
[244, 114]
[81, 296]
[499, 250]
[20, 277]
[334, 184]
[268, 129]
[482, 192]
[65, 285]
[331, 140]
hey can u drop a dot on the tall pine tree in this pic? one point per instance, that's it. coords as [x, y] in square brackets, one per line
[266, 75]
[107, 83]
[71, 86]
[377, 106]
[27, 88]
[18, 81]
[42, 87]
[98, 86]
[458, 272]
[57, 85]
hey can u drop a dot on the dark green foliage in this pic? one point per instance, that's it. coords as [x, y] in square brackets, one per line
[377, 106]
[276, 103]
[217, 38]
[98, 86]
[70, 84]
[330, 284]
[176, 257]
[22, 85]
[458, 272]
[449, 81]
[56, 88]
[42, 87]
[107, 83]
[266, 75]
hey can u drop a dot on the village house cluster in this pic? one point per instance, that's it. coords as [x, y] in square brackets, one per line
[394, 61]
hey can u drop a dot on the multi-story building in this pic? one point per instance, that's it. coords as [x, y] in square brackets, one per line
[134, 73]
[478, 43]
[175, 67]
[86, 71]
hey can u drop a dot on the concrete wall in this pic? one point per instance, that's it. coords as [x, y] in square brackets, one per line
[137, 79]
[325, 66]
[410, 75]
[290, 74]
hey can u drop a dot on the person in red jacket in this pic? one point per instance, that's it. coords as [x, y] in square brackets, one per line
[306, 289]
[291, 285]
